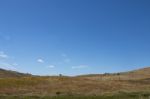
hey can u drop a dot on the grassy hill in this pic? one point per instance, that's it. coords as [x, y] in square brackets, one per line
[138, 74]
[14, 83]
[11, 74]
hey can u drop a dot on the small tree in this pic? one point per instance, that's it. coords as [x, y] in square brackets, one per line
[60, 75]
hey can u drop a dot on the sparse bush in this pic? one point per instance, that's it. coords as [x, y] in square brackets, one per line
[106, 74]
[58, 93]
[118, 74]
[60, 75]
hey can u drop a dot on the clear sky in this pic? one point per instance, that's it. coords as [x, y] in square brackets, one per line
[73, 37]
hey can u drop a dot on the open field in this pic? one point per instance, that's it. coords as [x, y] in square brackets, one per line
[119, 96]
[69, 86]
[127, 85]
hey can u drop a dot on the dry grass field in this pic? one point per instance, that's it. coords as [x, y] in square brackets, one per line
[137, 81]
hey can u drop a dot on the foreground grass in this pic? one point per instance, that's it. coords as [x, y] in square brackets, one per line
[119, 96]
[94, 97]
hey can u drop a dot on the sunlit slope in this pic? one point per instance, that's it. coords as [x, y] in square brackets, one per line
[138, 74]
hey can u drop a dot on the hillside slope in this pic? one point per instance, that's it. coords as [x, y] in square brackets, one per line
[10, 74]
[138, 74]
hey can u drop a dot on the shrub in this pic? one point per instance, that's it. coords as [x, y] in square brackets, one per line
[58, 93]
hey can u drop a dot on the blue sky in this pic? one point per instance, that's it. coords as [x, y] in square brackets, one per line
[72, 37]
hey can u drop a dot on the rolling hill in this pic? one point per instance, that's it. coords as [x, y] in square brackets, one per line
[10, 74]
[138, 74]
[14, 83]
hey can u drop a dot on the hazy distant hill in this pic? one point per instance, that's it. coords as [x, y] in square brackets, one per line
[10, 74]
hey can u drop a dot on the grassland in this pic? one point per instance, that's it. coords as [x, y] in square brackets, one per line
[12, 74]
[119, 96]
[127, 85]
